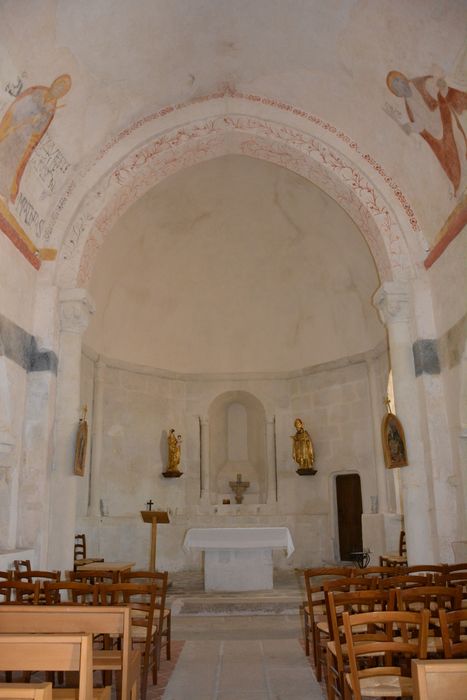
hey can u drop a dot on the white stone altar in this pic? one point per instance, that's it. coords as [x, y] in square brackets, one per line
[238, 559]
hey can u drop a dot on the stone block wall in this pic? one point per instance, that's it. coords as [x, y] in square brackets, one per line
[140, 405]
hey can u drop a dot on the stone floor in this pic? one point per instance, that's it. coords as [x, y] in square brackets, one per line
[236, 646]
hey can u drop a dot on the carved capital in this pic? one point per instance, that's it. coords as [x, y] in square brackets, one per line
[76, 306]
[393, 302]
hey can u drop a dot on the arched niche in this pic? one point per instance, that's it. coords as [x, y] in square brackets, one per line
[237, 422]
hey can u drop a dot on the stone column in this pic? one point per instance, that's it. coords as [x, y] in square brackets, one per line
[394, 305]
[75, 309]
[271, 460]
[97, 427]
[205, 487]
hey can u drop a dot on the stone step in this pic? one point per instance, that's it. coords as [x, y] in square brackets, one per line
[235, 604]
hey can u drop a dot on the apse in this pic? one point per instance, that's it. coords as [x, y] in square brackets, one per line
[231, 299]
[234, 265]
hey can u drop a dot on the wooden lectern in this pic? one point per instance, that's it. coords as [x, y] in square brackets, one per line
[154, 517]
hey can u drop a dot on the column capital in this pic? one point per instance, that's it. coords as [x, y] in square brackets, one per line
[392, 300]
[76, 307]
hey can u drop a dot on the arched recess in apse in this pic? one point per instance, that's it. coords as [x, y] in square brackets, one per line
[237, 422]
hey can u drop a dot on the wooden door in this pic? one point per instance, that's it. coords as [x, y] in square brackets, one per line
[349, 514]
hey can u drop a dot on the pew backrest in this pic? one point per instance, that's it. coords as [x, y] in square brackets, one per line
[439, 678]
[26, 691]
[49, 652]
[79, 619]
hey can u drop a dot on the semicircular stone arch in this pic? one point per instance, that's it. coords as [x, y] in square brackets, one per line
[178, 137]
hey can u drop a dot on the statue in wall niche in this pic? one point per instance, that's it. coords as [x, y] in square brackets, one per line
[174, 454]
[302, 449]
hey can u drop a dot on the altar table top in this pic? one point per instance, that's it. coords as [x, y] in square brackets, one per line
[239, 538]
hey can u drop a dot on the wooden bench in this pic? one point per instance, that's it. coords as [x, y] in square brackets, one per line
[439, 678]
[50, 652]
[56, 619]
[26, 691]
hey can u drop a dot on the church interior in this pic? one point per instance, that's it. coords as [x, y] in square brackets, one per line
[233, 301]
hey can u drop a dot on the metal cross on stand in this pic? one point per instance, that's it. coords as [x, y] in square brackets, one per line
[149, 504]
[239, 487]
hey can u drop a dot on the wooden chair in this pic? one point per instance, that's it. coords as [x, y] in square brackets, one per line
[6, 575]
[382, 571]
[353, 602]
[19, 593]
[149, 577]
[396, 558]
[434, 599]
[50, 652]
[32, 575]
[455, 578]
[25, 691]
[314, 609]
[426, 569]
[147, 607]
[439, 679]
[80, 554]
[321, 629]
[373, 649]
[22, 565]
[453, 627]
[451, 568]
[56, 619]
[404, 581]
[70, 593]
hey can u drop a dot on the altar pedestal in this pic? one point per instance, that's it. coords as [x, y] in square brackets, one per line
[238, 559]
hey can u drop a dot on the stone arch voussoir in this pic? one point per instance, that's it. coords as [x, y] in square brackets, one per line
[299, 142]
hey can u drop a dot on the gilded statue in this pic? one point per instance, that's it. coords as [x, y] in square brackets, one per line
[174, 454]
[302, 450]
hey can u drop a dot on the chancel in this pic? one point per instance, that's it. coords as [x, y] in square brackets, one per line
[231, 230]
